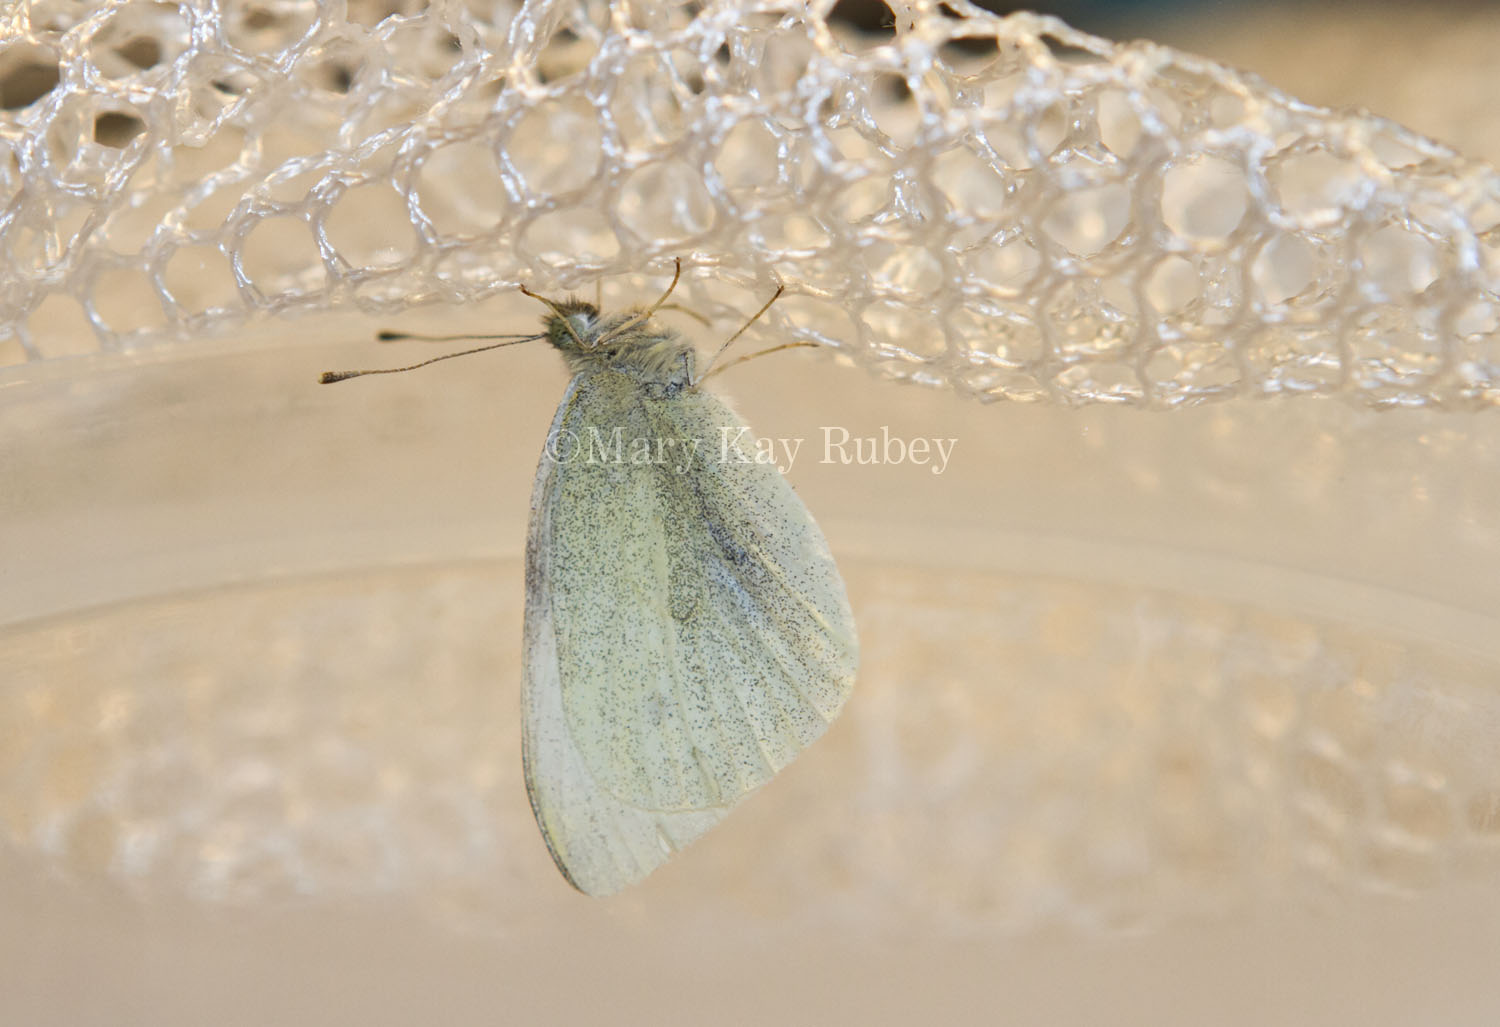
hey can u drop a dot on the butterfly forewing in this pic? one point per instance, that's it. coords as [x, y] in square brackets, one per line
[687, 631]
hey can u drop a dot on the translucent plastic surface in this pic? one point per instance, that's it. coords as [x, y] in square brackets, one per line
[1163, 717]
[1007, 207]
[1103, 690]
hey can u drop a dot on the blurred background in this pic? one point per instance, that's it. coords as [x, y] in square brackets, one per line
[1423, 65]
[1162, 718]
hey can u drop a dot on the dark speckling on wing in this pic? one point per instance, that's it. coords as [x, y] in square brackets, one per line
[687, 632]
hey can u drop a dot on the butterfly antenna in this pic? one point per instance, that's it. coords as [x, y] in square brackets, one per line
[752, 356]
[645, 315]
[405, 336]
[329, 377]
[559, 314]
[708, 370]
[689, 311]
[671, 287]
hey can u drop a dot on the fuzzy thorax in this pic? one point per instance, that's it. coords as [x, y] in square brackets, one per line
[624, 342]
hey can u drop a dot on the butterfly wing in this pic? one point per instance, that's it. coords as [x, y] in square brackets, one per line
[687, 632]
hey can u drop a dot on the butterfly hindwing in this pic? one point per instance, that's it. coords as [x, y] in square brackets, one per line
[686, 629]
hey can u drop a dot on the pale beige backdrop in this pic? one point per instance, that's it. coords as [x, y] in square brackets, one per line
[1162, 718]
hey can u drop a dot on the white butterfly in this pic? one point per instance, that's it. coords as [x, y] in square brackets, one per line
[687, 632]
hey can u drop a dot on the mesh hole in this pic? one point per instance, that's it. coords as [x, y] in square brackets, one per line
[579, 235]
[865, 24]
[138, 37]
[650, 111]
[211, 211]
[1284, 268]
[117, 128]
[1120, 128]
[1172, 284]
[1085, 221]
[27, 73]
[460, 191]
[815, 320]
[92, 147]
[898, 331]
[1204, 200]
[555, 147]
[787, 235]
[970, 184]
[370, 228]
[124, 299]
[129, 228]
[665, 201]
[747, 160]
[912, 271]
[1008, 269]
[1399, 262]
[270, 27]
[1315, 185]
[199, 279]
[896, 115]
[565, 55]
[280, 257]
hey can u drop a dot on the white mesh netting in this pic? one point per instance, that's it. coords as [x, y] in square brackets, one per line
[1003, 207]
[1046, 215]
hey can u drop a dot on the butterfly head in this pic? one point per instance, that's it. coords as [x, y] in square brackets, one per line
[572, 326]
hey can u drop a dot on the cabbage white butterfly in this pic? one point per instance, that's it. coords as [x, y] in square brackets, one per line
[687, 632]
